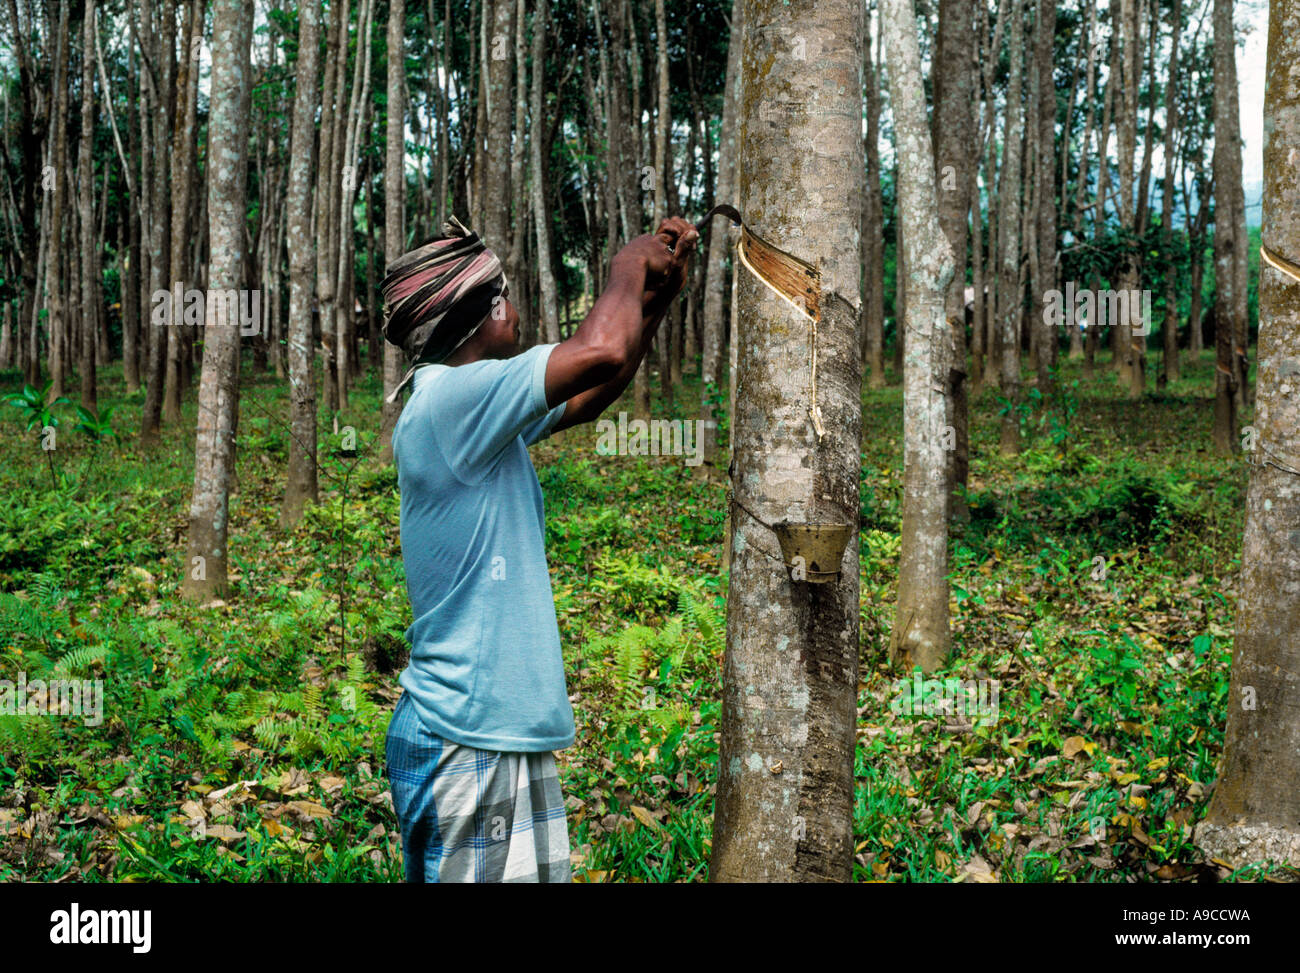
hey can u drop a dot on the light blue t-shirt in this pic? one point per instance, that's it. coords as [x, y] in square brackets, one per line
[486, 669]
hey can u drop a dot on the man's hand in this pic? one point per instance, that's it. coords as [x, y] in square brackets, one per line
[593, 367]
[682, 238]
[664, 254]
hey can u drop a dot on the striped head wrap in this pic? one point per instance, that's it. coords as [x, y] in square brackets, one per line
[438, 295]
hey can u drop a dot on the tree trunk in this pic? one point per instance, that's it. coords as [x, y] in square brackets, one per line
[214, 449]
[182, 187]
[873, 230]
[716, 271]
[538, 157]
[1227, 181]
[496, 186]
[518, 197]
[662, 176]
[785, 790]
[91, 289]
[160, 107]
[955, 157]
[1255, 811]
[920, 633]
[1009, 294]
[1045, 279]
[301, 484]
[58, 321]
[1169, 328]
[394, 206]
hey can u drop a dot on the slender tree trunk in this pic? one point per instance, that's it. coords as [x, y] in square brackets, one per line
[1009, 296]
[1128, 361]
[218, 416]
[538, 157]
[518, 196]
[90, 287]
[301, 485]
[955, 157]
[182, 186]
[160, 106]
[785, 790]
[662, 178]
[1045, 279]
[1255, 812]
[497, 188]
[1227, 179]
[920, 633]
[1169, 329]
[715, 269]
[58, 319]
[394, 206]
[873, 230]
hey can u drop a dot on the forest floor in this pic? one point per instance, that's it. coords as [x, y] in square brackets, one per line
[1093, 587]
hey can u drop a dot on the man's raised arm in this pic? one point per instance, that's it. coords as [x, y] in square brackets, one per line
[592, 368]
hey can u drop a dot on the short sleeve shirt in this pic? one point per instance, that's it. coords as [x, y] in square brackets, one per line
[486, 669]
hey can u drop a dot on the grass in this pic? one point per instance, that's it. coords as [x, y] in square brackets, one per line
[1094, 581]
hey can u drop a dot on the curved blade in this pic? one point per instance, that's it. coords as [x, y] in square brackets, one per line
[793, 280]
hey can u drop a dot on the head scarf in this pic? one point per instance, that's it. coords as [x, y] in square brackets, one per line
[438, 295]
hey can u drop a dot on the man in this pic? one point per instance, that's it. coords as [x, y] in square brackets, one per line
[469, 748]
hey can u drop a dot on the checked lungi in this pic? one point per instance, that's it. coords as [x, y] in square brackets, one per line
[471, 815]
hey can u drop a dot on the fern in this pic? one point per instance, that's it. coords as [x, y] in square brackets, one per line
[708, 621]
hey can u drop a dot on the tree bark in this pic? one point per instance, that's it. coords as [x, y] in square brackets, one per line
[182, 182]
[716, 271]
[920, 633]
[1255, 811]
[301, 484]
[873, 230]
[1009, 294]
[394, 206]
[1169, 329]
[1045, 279]
[161, 100]
[785, 790]
[58, 320]
[214, 449]
[1227, 184]
[955, 155]
[538, 156]
[497, 188]
[91, 290]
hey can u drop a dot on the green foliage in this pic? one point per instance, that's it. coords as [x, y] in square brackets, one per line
[34, 409]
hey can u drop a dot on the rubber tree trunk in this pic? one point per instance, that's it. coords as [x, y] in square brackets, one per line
[920, 633]
[538, 155]
[1009, 294]
[1044, 65]
[1255, 811]
[954, 159]
[785, 777]
[873, 231]
[394, 206]
[182, 182]
[91, 289]
[301, 486]
[1169, 327]
[214, 447]
[715, 281]
[161, 105]
[1227, 176]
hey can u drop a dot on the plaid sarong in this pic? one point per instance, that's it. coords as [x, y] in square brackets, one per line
[471, 815]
